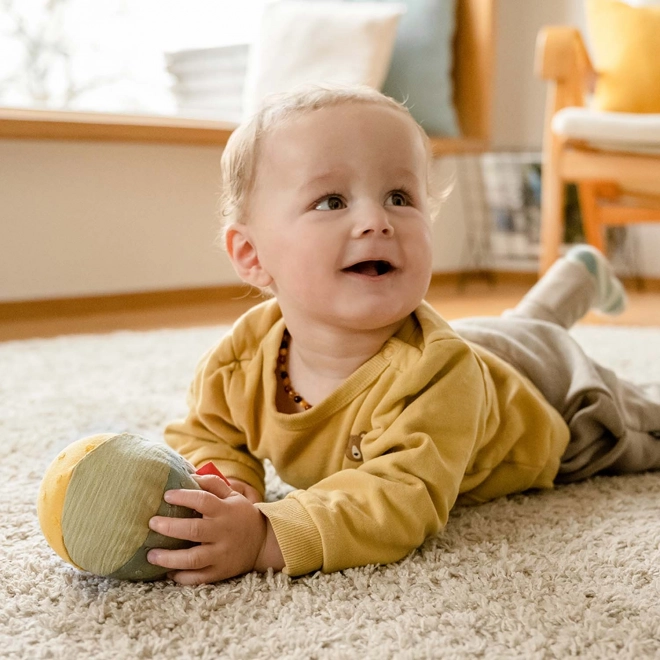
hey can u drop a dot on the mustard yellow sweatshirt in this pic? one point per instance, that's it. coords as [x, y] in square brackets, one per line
[427, 422]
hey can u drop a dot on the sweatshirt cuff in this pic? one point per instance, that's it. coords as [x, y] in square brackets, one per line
[297, 535]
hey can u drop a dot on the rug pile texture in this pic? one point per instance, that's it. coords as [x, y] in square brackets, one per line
[574, 571]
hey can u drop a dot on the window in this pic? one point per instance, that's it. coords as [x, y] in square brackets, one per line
[109, 55]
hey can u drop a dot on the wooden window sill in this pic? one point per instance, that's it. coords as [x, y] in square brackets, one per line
[28, 124]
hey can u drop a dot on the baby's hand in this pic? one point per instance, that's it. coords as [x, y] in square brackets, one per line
[246, 490]
[232, 534]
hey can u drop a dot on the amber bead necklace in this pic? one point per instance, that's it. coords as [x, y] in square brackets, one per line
[282, 361]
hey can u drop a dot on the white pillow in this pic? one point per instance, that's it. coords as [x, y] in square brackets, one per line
[320, 42]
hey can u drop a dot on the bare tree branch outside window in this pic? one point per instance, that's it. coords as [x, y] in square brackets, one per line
[44, 74]
[76, 54]
[110, 55]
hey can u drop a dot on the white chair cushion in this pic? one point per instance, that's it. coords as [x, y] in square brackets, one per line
[616, 131]
[320, 42]
[642, 3]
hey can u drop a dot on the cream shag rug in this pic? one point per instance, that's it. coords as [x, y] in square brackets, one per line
[571, 572]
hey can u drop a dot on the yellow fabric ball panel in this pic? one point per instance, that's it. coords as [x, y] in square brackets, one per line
[54, 485]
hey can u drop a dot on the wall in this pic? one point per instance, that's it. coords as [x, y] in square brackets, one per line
[94, 218]
[88, 218]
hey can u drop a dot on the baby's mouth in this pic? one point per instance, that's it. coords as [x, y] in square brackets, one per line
[372, 268]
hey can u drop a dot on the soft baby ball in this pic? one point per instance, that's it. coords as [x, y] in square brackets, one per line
[97, 497]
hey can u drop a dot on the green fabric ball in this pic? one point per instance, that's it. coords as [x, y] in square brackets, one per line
[97, 497]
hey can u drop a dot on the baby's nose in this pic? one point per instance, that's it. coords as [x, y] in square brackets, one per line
[374, 220]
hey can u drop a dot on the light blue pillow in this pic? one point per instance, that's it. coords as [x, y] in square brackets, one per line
[421, 71]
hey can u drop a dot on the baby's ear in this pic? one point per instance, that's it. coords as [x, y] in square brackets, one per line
[244, 257]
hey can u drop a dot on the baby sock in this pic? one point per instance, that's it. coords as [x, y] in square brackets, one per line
[610, 294]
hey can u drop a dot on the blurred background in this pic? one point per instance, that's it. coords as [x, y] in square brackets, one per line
[86, 218]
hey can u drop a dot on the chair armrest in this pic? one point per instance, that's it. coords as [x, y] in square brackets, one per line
[562, 58]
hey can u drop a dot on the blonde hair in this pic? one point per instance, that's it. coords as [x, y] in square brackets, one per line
[240, 157]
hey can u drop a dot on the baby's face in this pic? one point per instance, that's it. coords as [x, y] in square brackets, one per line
[340, 216]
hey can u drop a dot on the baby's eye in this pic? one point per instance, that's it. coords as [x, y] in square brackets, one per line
[330, 203]
[397, 199]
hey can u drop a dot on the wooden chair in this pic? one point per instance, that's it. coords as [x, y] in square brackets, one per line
[618, 177]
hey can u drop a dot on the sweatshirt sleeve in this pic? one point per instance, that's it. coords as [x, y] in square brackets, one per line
[409, 480]
[210, 431]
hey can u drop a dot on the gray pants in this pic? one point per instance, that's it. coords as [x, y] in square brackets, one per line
[610, 420]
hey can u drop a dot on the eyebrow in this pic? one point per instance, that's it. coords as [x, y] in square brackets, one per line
[406, 173]
[331, 174]
[320, 178]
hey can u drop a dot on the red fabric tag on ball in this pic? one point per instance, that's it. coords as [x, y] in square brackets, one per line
[209, 468]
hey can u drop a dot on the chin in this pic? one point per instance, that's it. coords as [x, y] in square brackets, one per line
[378, 318]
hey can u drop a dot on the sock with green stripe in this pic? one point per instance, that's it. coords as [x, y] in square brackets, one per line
[610, 295]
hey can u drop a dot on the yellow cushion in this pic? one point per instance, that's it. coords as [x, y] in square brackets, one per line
[626, 55]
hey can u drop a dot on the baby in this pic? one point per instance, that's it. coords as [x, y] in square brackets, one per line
[378, 412]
